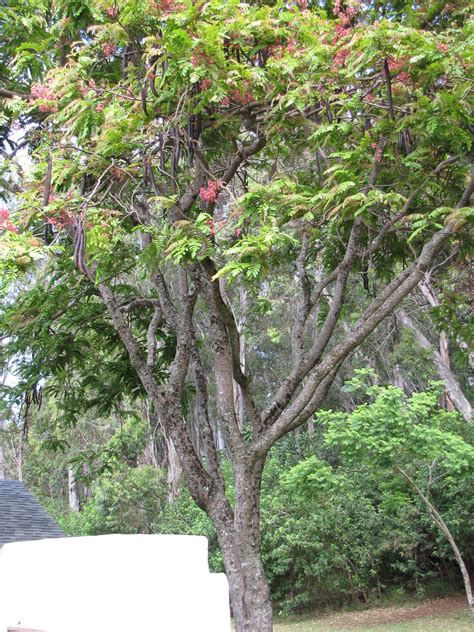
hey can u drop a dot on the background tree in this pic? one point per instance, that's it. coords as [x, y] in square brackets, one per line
[410, 437]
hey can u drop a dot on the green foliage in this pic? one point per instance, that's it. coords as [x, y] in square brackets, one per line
[319, 536]
[331, 504]
[333, 536]
[393, 431]
[127, 500]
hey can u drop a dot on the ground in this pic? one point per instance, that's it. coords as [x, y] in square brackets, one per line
[434, 615]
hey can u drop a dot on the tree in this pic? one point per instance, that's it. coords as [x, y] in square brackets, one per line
[411, 437]
[457, 399]
[181, 152]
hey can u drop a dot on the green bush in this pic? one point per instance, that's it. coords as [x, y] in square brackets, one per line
[126, 500]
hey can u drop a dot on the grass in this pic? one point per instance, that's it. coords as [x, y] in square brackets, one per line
[449, 623]
[455, 621]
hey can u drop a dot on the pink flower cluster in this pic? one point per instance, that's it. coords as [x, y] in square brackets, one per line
[215, 226]
[395, 66]
[44, 92]
[291, 46]
[212, 229]
[339, 58]
[109, 48]
[46, 107]
[198, 58]
[60, 218]
[39, 91]
[277, 50]
[5, 222]
[164, 5]
[211, 192]
[244, 98]
[243, 95]
[345, 16]
[378, 152]
[112, 12]
[349, 13]
[343, 28]
[86, 88]
[403, 77]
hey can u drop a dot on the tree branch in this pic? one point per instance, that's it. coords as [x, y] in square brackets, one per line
[298, 329]
[11, 94]
[155, 322]
[288, 388]
[205, 427]
[379, 309]
[184, 337]
[168, 405]
[451, 383]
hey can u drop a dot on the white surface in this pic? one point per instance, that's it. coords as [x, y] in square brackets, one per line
[112, 583]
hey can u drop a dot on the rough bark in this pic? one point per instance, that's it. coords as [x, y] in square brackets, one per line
[238, 395]
[249, 590]
[239, 539]
[174, 470]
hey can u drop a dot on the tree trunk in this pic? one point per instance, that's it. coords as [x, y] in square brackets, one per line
[443, 527]
[241, 324]
[175, 471]
[457, 554]
[74, 502]
[238, 531]
[454, 397]
[248, 585]
[441, 362]
[398, 379]
[250, 593]
[86, 490]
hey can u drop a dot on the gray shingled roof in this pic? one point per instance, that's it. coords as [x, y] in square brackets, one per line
[22, 517]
